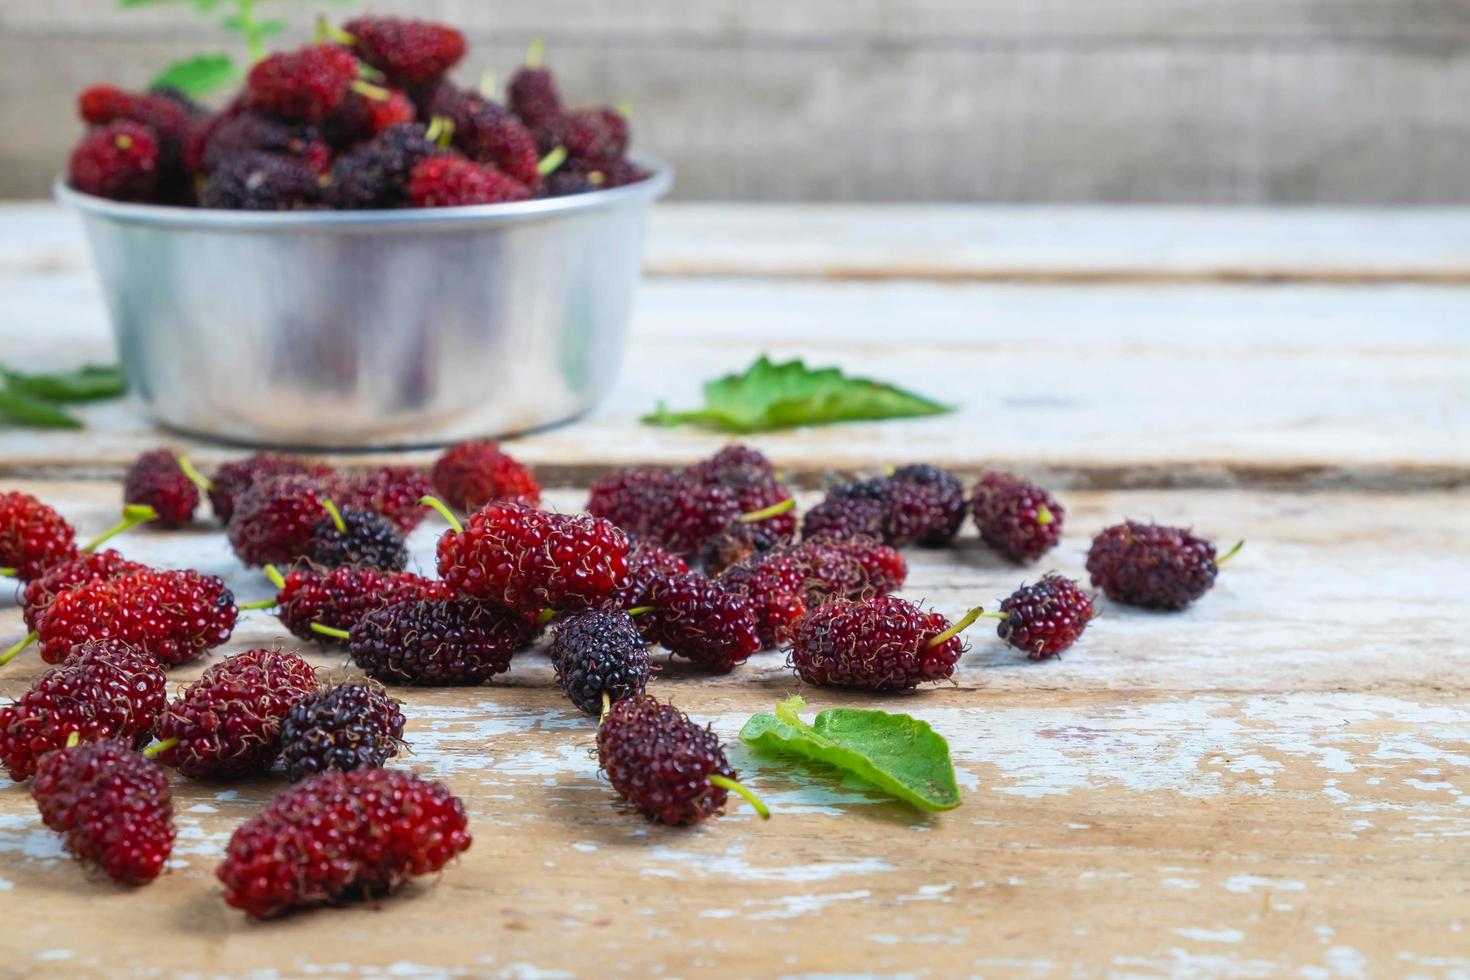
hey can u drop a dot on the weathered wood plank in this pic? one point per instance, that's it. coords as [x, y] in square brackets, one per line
[1267, 784]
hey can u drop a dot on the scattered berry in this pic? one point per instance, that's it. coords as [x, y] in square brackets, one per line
[776, 585]
[436, 643]
[33, 537]
[273, 522]
[105, 689]
[262, 182]
[375, 175]
[734, 466]
[857, 568]
[342, 835]
[1151, 565]
[926, 506]
[355, 726]
[628, 498]
[409, 52]
[472, 474]
[486, 133]
[1018, 519]
[661, 762]
[305, 85]
[365, 539]
[446, 182]
[882, 644]
[233, 479]
[647, 564]
[86, 567]
[112, 804]
[396, 492]
[596, 653]
[694, 618]
[157, 480]
[339, 599]
[228, 722]
[173, 615]
[530, 560]
[119, 160]
[856, 510]
[1046, 618]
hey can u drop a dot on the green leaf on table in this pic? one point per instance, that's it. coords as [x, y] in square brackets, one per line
[895, 753]
[198, 75]
[19, 408]
[89, 383]
[783, 396]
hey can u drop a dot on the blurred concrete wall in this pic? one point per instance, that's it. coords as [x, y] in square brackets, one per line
[1026, 100]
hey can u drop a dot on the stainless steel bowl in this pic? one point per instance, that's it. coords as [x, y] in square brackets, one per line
[371, 329]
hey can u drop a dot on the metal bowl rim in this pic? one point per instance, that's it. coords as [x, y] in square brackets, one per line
[659, 181]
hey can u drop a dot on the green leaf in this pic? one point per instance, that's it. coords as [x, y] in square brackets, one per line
[198, 75]
[89, 383]
[20, 408]
[783, 396]
[895, 753]
[253, 27]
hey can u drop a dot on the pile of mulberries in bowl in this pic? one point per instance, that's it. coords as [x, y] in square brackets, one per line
[364, 119]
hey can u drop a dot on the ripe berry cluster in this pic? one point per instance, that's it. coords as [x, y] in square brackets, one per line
[365, 118]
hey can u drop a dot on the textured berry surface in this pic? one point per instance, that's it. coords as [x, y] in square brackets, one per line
[340, 598]
[393, 491]
[375, 175]
[407, 51]
[594, 136]
[486, 133]
[262, 182]
[926, 506]
[647, 564]
[734, 465]
[112, 805]
[1045, 618]
[33, 537]
[1018, 519]
[1151, 565]
[305, 85]
[360, 118]
[274, 520]
[777, 586]
[85, 567]
[106, 689]
[629, 497]
[228, 722]
[173, 615]
[533, 96]
[530, 560]
[856, 510]
[856, 568]
[368, 539]
[342, 835]
[169, 122]
[119, 160]
[694, 618]
[354, 726]
[596, 653]
[472, 474]
[660, 762]
[247, 133]
[446, 182]
[436, 643]
[233, 479]
[156, 479]
[880, 644]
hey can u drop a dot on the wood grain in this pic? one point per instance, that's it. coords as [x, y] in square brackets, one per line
[1269, 783]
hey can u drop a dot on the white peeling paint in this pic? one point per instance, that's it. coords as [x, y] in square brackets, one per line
[1211, 935]
[1245, 883]
[731, 862]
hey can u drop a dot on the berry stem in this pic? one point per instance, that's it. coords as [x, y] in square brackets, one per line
[330, 631]
[725, 782]
[444, 512]
[959, 627]
[159, 747]
[261, 604]
[606, 707]
[440, 131]
[759, 515]
[73, 740]
[625, 108]
[545, 616]
[195, 477]
[274, 574]
[639, 610]
[534, 51]
[1230, 554]
[7, 573]
[15, 651]
[133, 515]
[552, 160]
[487, 83]
[336, 514]
[327, 31]
[368, 90]
[1044, 516]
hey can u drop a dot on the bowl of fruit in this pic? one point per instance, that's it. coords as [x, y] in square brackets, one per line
[355, 252]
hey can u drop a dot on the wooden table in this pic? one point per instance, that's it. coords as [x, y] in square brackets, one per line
[1271, 782]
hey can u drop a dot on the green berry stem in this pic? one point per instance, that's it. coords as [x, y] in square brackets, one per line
[336, 515]
[625, 109]
[545, 616]
[261, 604]
[534, 51]
[1044, 516]
[734, 786]
[15, 651]
[552, 160]
[368, 90]
[639, 610]
[133, 515]
[1230, 554]
[959, 627]
[274, 574]
[327, 31]
[440, 131]
[487, 83]
[73, 740]
[444, 512]
[195, 477]
[7, 573]
[158, 747]
[330, 631]
[759, 515]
